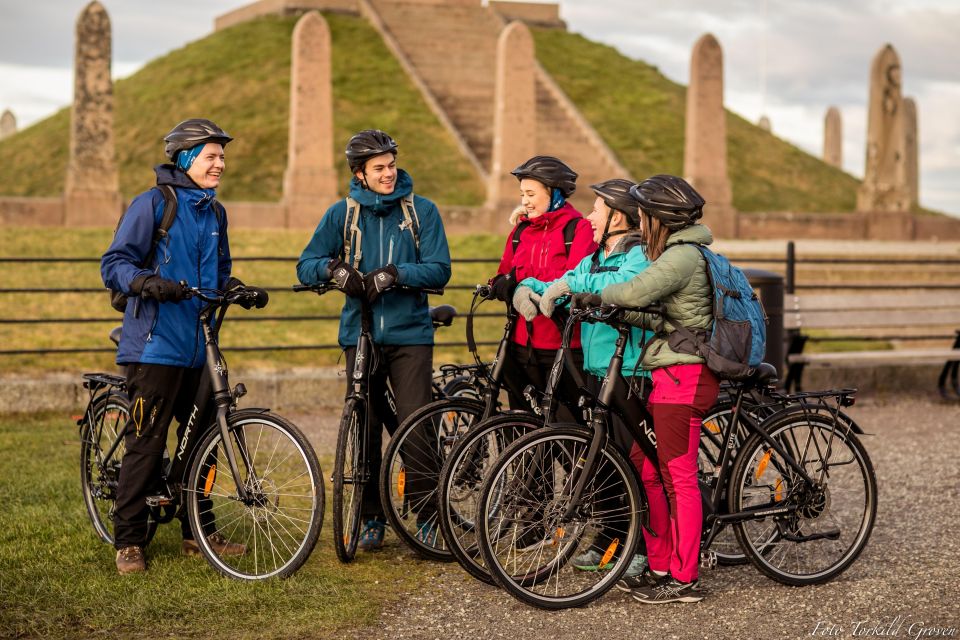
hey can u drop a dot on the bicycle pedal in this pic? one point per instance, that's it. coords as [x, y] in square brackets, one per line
[708, 560]
[160, 500]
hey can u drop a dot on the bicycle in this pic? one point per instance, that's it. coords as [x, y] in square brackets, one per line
[351, 471]
[249, 476]
[782, 490]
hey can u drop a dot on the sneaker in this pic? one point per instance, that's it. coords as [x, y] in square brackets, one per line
[221, 546]
[371, 536]
[131, 560]
[667, 589]
[589, 561]
[427, 534]
[646, 578]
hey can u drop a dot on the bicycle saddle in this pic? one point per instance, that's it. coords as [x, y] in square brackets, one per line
[443, 315]
[766, 374]
[115, 335]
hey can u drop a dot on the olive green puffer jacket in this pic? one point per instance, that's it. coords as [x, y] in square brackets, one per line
[677, 279]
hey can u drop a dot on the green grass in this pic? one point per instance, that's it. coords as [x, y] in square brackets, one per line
[641, 114]
[57, 580]
[90, 243]
[240, 78]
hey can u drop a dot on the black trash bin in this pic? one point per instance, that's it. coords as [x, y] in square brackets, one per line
[769, 285]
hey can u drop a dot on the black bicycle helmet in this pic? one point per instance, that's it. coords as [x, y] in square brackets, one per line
[367, 144]
[192, 132]
[670, 199]
[550, 171]
[616, 194]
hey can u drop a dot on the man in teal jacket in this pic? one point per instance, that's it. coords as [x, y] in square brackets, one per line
[620, 256]
[380, 237]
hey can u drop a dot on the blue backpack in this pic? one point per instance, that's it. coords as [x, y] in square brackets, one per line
[734, 347]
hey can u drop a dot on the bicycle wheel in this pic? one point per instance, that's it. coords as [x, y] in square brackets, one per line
[100, 473]
[725, 546]
[827, 524]
[526, 543]
[348, 481]
[279, 524]
[461, 477]
[411, 471]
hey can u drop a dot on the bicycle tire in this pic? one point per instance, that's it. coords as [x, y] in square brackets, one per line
[280, 524]
[348, 481]
[725, 546]
[834, 518]
[410, 472]
[546, 580]
[98, 477]
[462, 475]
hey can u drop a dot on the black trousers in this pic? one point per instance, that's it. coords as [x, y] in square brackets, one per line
[158, 393]
[410, 372]
[527, 366]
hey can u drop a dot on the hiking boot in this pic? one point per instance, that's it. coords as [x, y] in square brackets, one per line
[371, 536]
[589, 561]
[427, 534]
[221, 546]
[131, 560]
[667, 589]
[646, 578]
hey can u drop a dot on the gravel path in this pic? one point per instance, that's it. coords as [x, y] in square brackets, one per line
[904, 585]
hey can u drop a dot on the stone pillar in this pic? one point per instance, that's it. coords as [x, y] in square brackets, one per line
[764, 123]
[514, 114]
[833, 138]
[92, 194]
[705, 151]
[911, 143]
[8, 124]
[884, 185]
[310, 180]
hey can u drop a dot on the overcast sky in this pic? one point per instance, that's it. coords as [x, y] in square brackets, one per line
[788, 59]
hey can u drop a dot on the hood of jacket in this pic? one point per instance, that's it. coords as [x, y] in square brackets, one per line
[169, 174]
[546, 219]
[380, 204]
[694, 233]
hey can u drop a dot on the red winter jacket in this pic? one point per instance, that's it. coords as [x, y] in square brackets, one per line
[541, 254]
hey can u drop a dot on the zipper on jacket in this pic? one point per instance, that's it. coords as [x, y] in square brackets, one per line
[380, 218]
[196, 333]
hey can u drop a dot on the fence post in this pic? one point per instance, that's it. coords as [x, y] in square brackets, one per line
[791, 268]
[770, 287]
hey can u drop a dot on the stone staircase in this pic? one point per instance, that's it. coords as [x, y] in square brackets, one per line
[452, 47]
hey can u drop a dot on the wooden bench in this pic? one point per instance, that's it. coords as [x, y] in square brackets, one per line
[874, 316]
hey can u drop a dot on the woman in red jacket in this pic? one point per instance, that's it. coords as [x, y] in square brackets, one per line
[549, 238]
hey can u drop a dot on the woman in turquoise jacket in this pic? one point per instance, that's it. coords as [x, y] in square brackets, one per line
[620, 256]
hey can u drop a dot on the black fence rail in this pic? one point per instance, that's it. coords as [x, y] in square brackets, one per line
[787, 265]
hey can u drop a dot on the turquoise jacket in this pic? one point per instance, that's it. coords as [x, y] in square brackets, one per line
[599, 340]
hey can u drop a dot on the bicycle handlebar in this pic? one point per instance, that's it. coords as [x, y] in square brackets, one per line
[325, 287]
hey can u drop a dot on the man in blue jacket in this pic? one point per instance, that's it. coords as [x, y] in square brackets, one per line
[394, 237]
[162, 343]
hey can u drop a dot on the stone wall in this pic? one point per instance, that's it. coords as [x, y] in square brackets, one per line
[281, 8]
[31, 212]
[535, 13]
[874, 225]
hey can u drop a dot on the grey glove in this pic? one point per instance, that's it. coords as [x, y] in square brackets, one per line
[556, 290]
[526, 301]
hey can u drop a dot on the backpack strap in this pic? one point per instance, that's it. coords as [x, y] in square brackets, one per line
[569, 231]
[351, 234]
[169, 215]
[515, 240]
[411, 221]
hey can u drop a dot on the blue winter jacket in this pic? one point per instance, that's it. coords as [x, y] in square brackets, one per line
[196, 250]
[399, 317]
[599, 340]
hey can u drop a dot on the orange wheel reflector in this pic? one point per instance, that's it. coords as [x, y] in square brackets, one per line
[451, 416]
[778, 490]
[712, 426]
[401, 481]
[608, 554]
[346, 540]
[762, 465]
[211, 478]
[559, 536]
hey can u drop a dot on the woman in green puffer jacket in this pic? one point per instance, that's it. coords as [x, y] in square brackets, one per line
[683, 388]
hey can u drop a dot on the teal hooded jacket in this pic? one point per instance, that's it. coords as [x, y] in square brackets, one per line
[599, 340]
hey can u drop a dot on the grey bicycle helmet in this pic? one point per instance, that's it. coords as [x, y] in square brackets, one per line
[551, 171]
[192, 132]
[670, 199]
[367, 144]
[616, 194]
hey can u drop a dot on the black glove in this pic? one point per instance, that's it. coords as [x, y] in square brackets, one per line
[379, 280]
[346, 278]
[163, 290]
[503, 286]
[585, 300]
[254, 296]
